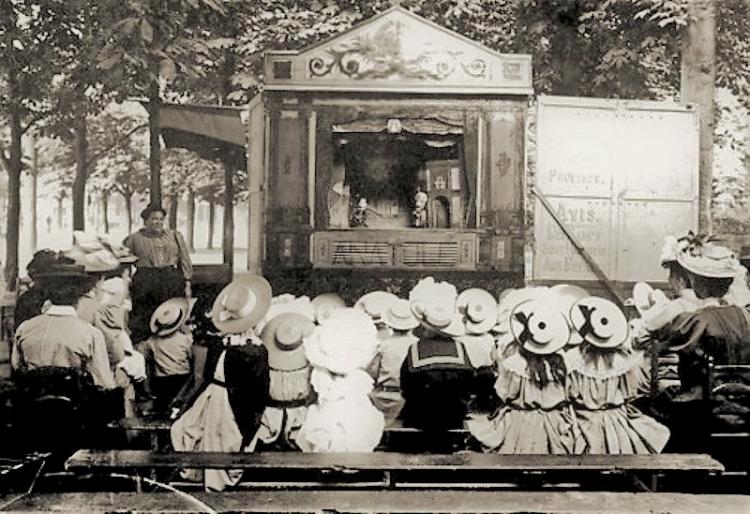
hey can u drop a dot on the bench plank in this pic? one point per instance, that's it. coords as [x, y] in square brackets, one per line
[389, 501]
[388, 461]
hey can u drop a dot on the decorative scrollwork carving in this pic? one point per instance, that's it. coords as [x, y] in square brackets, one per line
[476, 68]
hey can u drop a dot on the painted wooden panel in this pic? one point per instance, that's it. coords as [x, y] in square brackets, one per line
[623, 174]
[504, 170]
[288, 174]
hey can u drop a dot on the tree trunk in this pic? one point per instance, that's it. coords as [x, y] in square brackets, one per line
[697, 85]
[154, 103]
[129, 210]
[14, 192]
[211, 216]
[34, 193]
[105, 210]
[172, 212]
[60, 211]
[80, 147]
[191, 220]
[227, 243]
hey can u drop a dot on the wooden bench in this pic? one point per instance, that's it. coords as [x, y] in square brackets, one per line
[408, 470]
[401, 439]
[384, 501]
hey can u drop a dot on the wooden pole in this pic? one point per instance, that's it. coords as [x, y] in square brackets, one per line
[154, 103]
[697, 85]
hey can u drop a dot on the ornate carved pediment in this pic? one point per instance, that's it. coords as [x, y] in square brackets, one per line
[399, 51]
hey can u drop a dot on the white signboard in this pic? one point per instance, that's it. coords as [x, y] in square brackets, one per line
[622, 176]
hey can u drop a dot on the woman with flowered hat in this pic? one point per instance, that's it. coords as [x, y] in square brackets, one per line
[386, 366]
[437, 377]
[343, 418]
[605, 376]
[290, 390]
[535, 417]
[231, 388]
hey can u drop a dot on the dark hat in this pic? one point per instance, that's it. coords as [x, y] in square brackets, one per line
[745, 255]
[152, 207]
[62, 270]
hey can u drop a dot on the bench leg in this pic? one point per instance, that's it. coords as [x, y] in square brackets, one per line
[388, 480]
[138, 484]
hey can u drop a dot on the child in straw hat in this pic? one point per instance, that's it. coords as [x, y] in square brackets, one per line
[605, 376]
[231, 389]
[386, 366]
[535, 417]
[169, 351]
[437, 377]
[343, 418]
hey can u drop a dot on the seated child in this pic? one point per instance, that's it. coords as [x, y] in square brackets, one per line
[343, 418]
[535, 417]
[386, 366]
[605, 376]
[437, 377]
[169, 351]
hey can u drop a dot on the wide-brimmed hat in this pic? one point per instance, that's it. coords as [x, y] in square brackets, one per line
[646, 297]
[539, 327]
[437, 317]
[97, 254]
[170, 315]
[283, 336]
[510, 298]
[400, 317]
[600, 322]
[479, 309]
[241, 304]
[709, 260]
[286, 302]
[113, 290]
[375, 304]
[324, 304]
[347, 341]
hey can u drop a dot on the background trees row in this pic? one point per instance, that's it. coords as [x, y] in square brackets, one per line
[62, 63]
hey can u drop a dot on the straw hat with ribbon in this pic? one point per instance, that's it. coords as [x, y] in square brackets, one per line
[600, 322]
[170, 315]
[283, 336]
[510, 298]
[375, 304]
[286, 302]
[400, 317]
[479, 309]
[241, 304]
[539, 327]
[438, 318]
[324, 304]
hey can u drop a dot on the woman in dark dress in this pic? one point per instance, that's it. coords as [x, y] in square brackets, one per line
[224, 404]
[163, 269]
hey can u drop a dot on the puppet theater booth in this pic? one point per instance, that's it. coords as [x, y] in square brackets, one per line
[395, 149]
[400, 149]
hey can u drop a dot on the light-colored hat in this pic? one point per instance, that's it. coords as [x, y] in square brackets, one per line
[646, 297]
[479, 309]
[287, 302]
[671, 248]
[400, 317]
[324, 304]
[97, 254]
[346, 342]
[709, 260]
[114, 291]
[170, 315]
[375, 304]
[241, 304]
[510, 298]
[600, 322]
[438, 318]
[283, 336]
[539, 327]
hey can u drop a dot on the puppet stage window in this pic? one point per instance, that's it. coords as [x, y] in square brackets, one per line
[396, 179]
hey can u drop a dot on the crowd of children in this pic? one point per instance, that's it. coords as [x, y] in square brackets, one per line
[540, 370]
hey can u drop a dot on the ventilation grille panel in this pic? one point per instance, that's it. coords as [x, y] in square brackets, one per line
[429, 253]
[358, 252]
